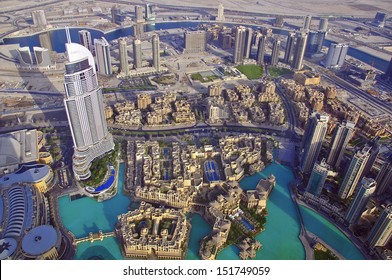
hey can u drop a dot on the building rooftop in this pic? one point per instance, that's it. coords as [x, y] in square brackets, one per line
[27, 174]
[39, 240]
[8, 247]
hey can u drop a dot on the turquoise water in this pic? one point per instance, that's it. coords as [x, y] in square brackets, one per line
[85, 215]
[330, 234]
[280, 237]
[200, 229]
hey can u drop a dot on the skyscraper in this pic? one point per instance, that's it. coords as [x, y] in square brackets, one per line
[256, 38]
[336, 55]
[156, 52]
[307, 22]
[290, 47]
[317, 178]
[39, 18]
[85, 39]
[139, 14]
[44, 41]
[116, 13]
[84, 108]
[312, 141]
[365, 190]
[42, 57]
[384, 177]
[388, 72]
[195, 41]
[341, 136]
[300, 45]
[221, 11]
[24, 56]
[275, 52]
[248, 42]
[149, 14]
[373, 153]
[353, 173]
[379, 19]
[239, 44]
[314, 43]
[323, 25]
[137, 53]
[382, 230]
[122, 45]
[261, 49]
[102, 54]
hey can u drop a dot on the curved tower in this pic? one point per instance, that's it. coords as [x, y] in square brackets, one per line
[85, 112]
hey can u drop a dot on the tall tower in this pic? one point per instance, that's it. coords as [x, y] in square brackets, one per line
[85, 112]
[307, 22]
[336, 55]
[116, 12]
[290, 47]
[102, 54]
[317, 178]
[341, 136]
[221, 11]
[39, 18]
[149, 14]
[353, 173]
[323, 25]
[312, 141]
[122, 45]
[156, 52]
[275, 52]
[137, 53]
[25, 57]
[384, 177]
[239, 44]
[314, 43]
[261, 49]
[382, 231]
[248, 42]
[85, 39]
[365, 191]
[374, 151]
[139, 14]
[300, 45]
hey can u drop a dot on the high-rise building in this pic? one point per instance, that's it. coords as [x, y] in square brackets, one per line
[122, 45]
[149, 13]
[336, 55]
[25, 57]
[261, 49]
[323, 25]
[85, 39]
[388, 72]
[39, 18]
[382, 230]
[248, 42]
[300, 45]
[42, 57]
[317, 178]
[221, 13]
[137, 53]
[315, 43]
[290, 47]
[102, 54]
[307, 22]
[44, 41]
[256, 38]
[365, 190]
[195, 41]
[341, 136]
[373, 153]
[275, 52]
[116, 12]
[139, 14]
[353, 173]
[384, 177]
[239, 44]
[156, 53]
[379, 19]
[85, 112]
[279, 21]
[312, 141]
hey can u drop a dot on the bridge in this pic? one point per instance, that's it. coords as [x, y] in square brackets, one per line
[93, 237]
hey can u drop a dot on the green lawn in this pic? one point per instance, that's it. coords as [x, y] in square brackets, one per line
[200, 78]
[276, 71]
[251, 71]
